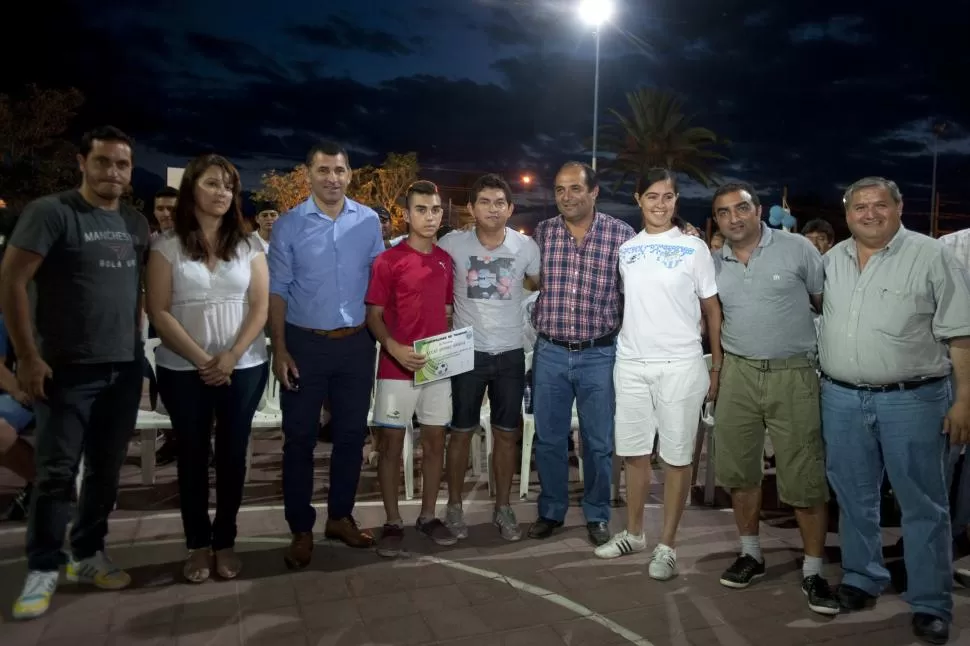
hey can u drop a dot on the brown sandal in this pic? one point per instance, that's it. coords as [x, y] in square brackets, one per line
[228, 563]
[198, 566]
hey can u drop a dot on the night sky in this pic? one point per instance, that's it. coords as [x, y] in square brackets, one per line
[812, 95]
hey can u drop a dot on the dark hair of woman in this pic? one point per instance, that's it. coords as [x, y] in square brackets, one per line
[654, 175]
[232, 230]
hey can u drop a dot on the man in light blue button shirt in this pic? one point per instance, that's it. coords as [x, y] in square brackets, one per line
[320, 259]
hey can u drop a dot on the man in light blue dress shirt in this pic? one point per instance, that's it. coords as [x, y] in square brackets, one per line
[320, 259]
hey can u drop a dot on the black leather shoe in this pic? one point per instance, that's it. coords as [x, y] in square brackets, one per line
[543, 528]
[930, 628]
[852, 598]
[599, 533]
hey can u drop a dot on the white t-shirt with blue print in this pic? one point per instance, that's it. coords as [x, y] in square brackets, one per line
[665, 276]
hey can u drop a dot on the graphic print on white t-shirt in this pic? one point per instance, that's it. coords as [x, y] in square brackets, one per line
[666, 255]
[490, 277]
[665, 276]
[489, 286]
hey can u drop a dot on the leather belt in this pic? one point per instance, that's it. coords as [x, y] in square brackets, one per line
[771, 365]
[339, 333]
[885, 388]
[576, 346]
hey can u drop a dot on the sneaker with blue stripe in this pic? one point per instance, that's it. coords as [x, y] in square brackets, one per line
[35, 598]
[98, 571]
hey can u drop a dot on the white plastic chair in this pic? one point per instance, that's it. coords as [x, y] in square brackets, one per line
[407, 453]
[705, 432]
[148, 424]
[269, 415]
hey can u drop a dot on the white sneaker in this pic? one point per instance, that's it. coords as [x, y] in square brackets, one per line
[98, 571]
[663, 566]
[621, 544]
[35, 598]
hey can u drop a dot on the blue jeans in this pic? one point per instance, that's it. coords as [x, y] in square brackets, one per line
[961, 501]
[342, 371]
[899, 433]
[15, 413]
[562, 376]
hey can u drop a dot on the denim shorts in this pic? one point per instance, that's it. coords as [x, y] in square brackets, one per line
[15, 413]
[502, 375]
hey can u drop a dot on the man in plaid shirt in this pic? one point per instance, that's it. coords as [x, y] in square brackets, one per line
[576, 317]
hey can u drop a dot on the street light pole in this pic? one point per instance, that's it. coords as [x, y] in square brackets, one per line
[596, 96]
[596, 13]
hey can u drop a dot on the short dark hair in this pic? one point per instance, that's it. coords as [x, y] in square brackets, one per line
[490, 180]
[103, 133]
[735, 187]
[329, 148]
[234, 227]
[592, 181]
[420, 187]
[818, 225]
[167, 191]
[655, 175]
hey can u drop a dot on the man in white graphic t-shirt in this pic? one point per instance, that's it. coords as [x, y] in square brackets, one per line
[661, 377]
[493, 265]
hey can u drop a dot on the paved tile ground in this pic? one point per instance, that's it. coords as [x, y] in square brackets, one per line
[482, 592]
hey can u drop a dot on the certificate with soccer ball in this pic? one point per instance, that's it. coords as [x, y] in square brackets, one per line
[446, 355]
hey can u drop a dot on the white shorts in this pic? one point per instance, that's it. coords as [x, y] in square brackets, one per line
[396, 401]
[659, 396]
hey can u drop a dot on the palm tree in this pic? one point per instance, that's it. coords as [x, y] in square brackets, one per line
[657, 133]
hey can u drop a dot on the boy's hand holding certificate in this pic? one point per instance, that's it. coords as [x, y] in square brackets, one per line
[446, 355]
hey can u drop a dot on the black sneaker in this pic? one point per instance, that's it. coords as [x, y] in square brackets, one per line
[599, 533]
[852, 598]
[931, 629]
[543, 528]
[17, 510]
[437, 531]
[166, 454]
[743, 572]
[820, 597]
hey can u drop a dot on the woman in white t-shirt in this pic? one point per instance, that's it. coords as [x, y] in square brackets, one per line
[661, 377]
[208, 298]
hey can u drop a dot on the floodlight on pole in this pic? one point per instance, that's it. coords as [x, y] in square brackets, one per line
[595, 13]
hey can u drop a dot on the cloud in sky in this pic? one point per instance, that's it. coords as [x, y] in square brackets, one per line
[843, 29]
[811, 96]
[340, 33]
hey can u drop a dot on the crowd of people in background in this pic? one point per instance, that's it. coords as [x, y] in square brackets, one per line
[853, 358]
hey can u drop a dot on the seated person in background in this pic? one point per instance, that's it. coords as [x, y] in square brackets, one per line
[16, 453]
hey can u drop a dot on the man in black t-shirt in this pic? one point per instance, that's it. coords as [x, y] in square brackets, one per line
[85, 251]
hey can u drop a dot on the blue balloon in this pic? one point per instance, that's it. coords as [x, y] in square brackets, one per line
[789, 222]
[777, 215]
